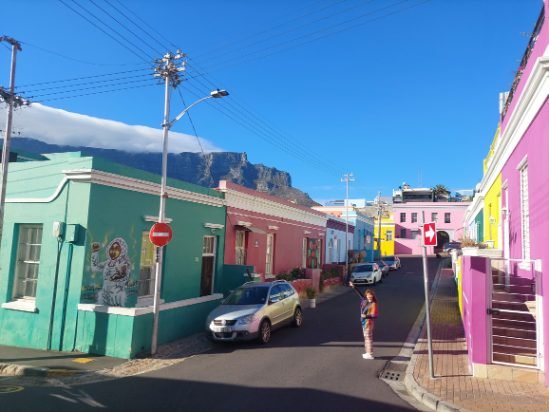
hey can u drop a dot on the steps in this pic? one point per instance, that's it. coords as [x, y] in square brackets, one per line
[513, 324]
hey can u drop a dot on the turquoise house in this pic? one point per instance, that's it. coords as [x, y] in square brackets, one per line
[77, 268]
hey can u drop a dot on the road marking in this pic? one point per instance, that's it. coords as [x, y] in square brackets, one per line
[83, 360]
[10, 388]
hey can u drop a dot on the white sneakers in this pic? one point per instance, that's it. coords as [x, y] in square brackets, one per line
[367, 356]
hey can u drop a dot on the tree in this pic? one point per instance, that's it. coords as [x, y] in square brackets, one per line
[439, 190]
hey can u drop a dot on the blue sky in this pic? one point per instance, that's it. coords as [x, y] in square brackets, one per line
[390, 90]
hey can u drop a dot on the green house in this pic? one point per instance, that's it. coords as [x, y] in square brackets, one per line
[77, 268]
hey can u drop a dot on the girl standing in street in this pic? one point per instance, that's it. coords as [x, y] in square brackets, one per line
[368, 312]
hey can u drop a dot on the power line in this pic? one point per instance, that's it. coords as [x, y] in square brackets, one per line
[74, 59]
[124, 26]
[146, 24]
[93, 93]
[97, 82]
[100, 28]
[253, 55]
[277, 134]
[254, 36]
[192, 123]
[83, 78]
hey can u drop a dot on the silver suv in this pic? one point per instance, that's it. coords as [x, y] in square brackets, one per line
[254, 310]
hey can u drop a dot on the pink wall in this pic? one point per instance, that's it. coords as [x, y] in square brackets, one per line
[476, 273]
[534, 145]
[288, 240]
[410, 246]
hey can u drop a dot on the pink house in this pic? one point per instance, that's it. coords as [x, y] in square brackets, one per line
[408, 218]
[506, 312]
[271, 234]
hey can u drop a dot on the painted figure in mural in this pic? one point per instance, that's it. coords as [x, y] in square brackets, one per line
[116, 272]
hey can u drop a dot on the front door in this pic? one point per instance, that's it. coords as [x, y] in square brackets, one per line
[269, 254]
[209, 245]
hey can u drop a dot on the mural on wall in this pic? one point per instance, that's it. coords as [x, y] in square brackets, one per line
[116, 271]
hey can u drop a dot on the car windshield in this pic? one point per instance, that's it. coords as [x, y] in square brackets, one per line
[389, 258]
[256, 295]
[363, 268]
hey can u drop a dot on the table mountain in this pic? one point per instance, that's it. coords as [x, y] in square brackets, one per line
[205, 170]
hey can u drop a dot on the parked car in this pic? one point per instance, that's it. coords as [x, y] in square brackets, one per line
[253, 310]
[447, 247]
[392, 261]
[366, 273]
[384, 267]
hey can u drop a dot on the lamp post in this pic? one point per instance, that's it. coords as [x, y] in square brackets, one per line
[170, 74]
[347, 177]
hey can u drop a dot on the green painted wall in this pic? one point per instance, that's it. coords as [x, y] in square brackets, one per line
[40, 180]
[101, 213]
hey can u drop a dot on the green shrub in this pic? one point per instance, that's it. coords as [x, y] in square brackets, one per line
[310, 292]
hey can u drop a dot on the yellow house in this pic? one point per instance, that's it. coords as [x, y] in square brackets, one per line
[387, 235]
[492, 207]
[492, 204]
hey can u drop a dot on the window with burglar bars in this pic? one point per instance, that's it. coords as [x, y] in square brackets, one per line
[28, 261]
[402, 217]
[240, 247]
[146, 266]
[447, 218]
[414, 217]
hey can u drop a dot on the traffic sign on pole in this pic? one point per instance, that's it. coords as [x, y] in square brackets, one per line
[429, 234]
[160, 234]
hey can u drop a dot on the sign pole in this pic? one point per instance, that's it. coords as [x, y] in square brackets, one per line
[426, 290]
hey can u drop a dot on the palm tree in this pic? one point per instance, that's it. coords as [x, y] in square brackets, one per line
[439, 190]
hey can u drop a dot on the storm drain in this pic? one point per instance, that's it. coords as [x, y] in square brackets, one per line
[392, 376]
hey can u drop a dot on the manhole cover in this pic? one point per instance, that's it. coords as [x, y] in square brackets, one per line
[392, 376]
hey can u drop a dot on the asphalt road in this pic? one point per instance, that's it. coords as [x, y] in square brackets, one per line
[318, 367]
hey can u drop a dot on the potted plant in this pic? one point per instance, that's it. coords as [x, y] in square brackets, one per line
[311, 296]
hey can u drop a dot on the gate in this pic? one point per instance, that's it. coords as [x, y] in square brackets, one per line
[514, 306]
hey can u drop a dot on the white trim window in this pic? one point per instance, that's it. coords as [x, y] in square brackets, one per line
[524, 212]
[146, 267]
[240, 247]
[269, 254]
[389, 235]
[28, 261]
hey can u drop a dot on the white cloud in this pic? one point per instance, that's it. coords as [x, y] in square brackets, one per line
[60, 127]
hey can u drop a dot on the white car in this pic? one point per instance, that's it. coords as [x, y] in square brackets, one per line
[366, 274]
[253, 310]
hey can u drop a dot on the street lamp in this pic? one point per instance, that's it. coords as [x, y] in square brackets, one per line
[215, 94]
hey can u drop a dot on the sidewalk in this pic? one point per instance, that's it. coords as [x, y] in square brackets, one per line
[454, 387]
[82, 367]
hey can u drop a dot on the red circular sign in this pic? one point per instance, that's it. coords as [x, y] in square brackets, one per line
[160, 234]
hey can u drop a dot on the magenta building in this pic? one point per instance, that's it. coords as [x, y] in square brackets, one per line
[505, 310]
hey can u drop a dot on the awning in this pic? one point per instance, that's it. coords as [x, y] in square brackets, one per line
[248, 226]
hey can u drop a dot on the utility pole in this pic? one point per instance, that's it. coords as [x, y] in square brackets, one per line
[168, 70]
[9, 98]
[379, 214]
[347, 177]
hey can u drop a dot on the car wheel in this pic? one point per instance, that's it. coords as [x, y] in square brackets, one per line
[298, 317]
[381, 279]
[265, 332]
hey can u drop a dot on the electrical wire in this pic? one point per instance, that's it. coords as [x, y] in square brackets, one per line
[97, 82]
[81, 78]
[192, 123]
[140, 39]
[101, 29]
[248, 57]
[74, 59]
[86, 88]
[93, 93]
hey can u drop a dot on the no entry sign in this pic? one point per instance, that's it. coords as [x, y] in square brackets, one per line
[429, 234]
[160, 234]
